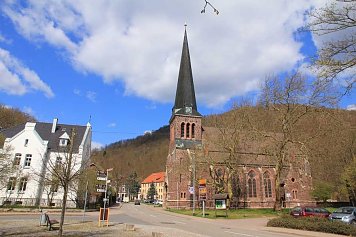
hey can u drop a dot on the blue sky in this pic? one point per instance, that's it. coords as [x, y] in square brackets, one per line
[117, 62]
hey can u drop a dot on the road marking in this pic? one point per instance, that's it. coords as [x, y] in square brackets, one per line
[153, 216]
[235, 233]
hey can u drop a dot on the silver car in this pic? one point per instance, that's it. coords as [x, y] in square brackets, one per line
[345, 214]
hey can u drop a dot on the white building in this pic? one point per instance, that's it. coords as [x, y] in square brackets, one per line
[37, 149]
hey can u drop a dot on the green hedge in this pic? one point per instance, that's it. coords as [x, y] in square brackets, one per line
[313, 224]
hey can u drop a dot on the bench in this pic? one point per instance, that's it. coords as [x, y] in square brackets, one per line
[50, 222]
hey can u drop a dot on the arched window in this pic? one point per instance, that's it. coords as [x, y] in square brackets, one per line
[193, 130]
[268, 185]
[188, 130]
[294, 194]
[252, 189]
[182, 128]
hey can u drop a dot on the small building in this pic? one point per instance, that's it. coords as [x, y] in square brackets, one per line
[158, 180]
[36, 149]
[123, 193]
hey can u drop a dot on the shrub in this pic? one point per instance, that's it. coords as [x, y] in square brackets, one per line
[313, 224]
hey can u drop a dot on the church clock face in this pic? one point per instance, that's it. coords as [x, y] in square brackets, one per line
[188, 110]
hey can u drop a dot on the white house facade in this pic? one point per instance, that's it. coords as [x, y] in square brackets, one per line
[37, 149]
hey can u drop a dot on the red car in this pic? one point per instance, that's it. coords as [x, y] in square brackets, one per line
[309, 211]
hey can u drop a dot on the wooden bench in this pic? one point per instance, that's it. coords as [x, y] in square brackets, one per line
[50, 222]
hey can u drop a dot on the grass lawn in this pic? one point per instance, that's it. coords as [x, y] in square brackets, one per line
[233, 214]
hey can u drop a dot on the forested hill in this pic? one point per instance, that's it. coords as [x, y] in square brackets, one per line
[330, 151]
[10, 117]
[144, 155]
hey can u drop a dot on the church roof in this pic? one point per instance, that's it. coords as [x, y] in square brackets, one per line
[185, 102]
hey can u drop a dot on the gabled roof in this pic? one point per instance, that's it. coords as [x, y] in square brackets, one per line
[155, 178]
[185, 94]
[44, 131]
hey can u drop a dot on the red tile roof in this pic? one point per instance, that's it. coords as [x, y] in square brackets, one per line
[155, 178]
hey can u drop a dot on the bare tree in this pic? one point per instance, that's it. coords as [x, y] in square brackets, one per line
[336, 25]
[224, 171]
[349, 175]
[65, 172]
[6, 166]
[291, 100]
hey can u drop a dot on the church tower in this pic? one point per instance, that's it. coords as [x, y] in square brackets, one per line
[185, 136]
[185, 122]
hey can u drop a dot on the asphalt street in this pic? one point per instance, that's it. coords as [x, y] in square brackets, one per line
[147, 217]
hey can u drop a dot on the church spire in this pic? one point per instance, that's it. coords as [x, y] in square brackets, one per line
[185, 103]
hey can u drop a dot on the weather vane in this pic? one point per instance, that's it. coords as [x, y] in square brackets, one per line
[208, 3]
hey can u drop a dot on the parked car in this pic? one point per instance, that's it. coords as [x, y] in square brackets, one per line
[305, 211]
[158, 202]
[345, 214]
[137, 202]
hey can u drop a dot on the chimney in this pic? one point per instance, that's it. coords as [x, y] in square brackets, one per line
[54, 125]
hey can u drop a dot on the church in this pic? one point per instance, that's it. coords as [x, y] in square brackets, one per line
[198, 168]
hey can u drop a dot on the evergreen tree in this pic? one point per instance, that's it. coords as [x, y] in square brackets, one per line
[151, 192]
[133, 184]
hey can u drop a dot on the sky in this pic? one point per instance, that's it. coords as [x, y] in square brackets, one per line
[115, 62]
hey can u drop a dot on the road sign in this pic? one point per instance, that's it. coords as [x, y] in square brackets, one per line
[191, 190]
[202, 182]
[101, 175]
[202, 189]
[100, 188]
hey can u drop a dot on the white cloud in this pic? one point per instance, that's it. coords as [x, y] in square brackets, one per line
[91, 95]
[4, 40]
[28, 110]
[77, 92]
[17, 79]
[351, 107]
[139, 42]
[112, 125]
[96, 145]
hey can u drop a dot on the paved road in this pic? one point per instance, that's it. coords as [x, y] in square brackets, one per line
[171, 224]
[148, 215]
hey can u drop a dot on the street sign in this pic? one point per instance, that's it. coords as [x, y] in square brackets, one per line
[191, 190]
[202, 189]
[101, 175]
[202, 182]
[100, 188]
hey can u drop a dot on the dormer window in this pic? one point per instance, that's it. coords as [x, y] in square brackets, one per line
[63, 142]
[64, 139]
